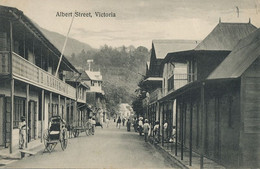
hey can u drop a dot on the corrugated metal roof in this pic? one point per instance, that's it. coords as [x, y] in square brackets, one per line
[162, 47]
[225, 36]
[243, 55]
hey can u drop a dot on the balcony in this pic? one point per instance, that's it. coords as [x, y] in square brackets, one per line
[27, 72]
[183, 79]
[155, 95]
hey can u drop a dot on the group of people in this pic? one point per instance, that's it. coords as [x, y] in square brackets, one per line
[119, 121]
[143, 126]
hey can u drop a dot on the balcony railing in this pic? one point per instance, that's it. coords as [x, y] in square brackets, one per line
[4, 60]
[183, 79]
[155, 95]
[28, 72]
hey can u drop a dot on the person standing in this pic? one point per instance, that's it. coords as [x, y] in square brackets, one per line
[22, 132]
[165, 129]
[128, 125]
[107, 122]
[140, 125]
[156, 131]
[93, 125]
[135, 124]
[123, 120]
[118, 122]
[146, 128]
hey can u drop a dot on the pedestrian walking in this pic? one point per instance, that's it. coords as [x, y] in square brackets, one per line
[146, 128]
[128, 125]
[22, 132]
[107, 122]
[140, 125]
[118, 123]
[123, 121]
[165, 129]
[88, 127]
[135, 124]
[93, 125]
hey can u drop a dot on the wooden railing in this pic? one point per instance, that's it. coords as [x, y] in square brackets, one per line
[155, 95]
[183, 79]
[30, 73]
[4, 62]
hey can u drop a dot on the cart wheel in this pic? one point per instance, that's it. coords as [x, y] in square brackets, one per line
[75, 133]
[51, 146]
[64, 140]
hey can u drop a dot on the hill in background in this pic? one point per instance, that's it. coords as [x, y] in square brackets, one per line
[73, 45]
[122, 68]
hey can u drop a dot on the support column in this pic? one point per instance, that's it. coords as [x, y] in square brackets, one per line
[65, 109]
[191, 112]
[11, 116]
[69, 112]
[69, 118]
[27, 113]
[51, 108]
[59, 112]
[202, 124]
[181, 115]
[42, 115]
[176, 135]
[12, 89]
[75, 109]
[162, 124]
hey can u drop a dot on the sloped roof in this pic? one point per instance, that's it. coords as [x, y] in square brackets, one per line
[225, 36]
[162, 47]
[11, 12]
[94, 75]
[243, 55]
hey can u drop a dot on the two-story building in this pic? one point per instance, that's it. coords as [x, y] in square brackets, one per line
[155, 81]
[28, 85]
[207, 118]
[95, 95]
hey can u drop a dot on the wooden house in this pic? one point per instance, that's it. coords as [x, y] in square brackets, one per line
[95, 95]
[212, 113]
[28, 85]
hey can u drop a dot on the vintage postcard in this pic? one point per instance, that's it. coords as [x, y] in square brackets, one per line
[129, 84]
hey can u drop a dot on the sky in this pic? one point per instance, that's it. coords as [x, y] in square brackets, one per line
[137, 22]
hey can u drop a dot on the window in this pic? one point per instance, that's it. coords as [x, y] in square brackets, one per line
[19, 110]
[170, 83]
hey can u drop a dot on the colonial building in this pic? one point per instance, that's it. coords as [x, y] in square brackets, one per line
[156, 79]
[95, 95]
[28, 85]
[207, 118]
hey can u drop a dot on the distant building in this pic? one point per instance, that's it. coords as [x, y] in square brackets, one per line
[95, 95]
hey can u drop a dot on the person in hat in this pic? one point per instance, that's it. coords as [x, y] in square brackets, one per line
[22, 132]
[146, 128]
[140, 125]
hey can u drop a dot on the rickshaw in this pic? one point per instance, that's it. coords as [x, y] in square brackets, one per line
[56, 132]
